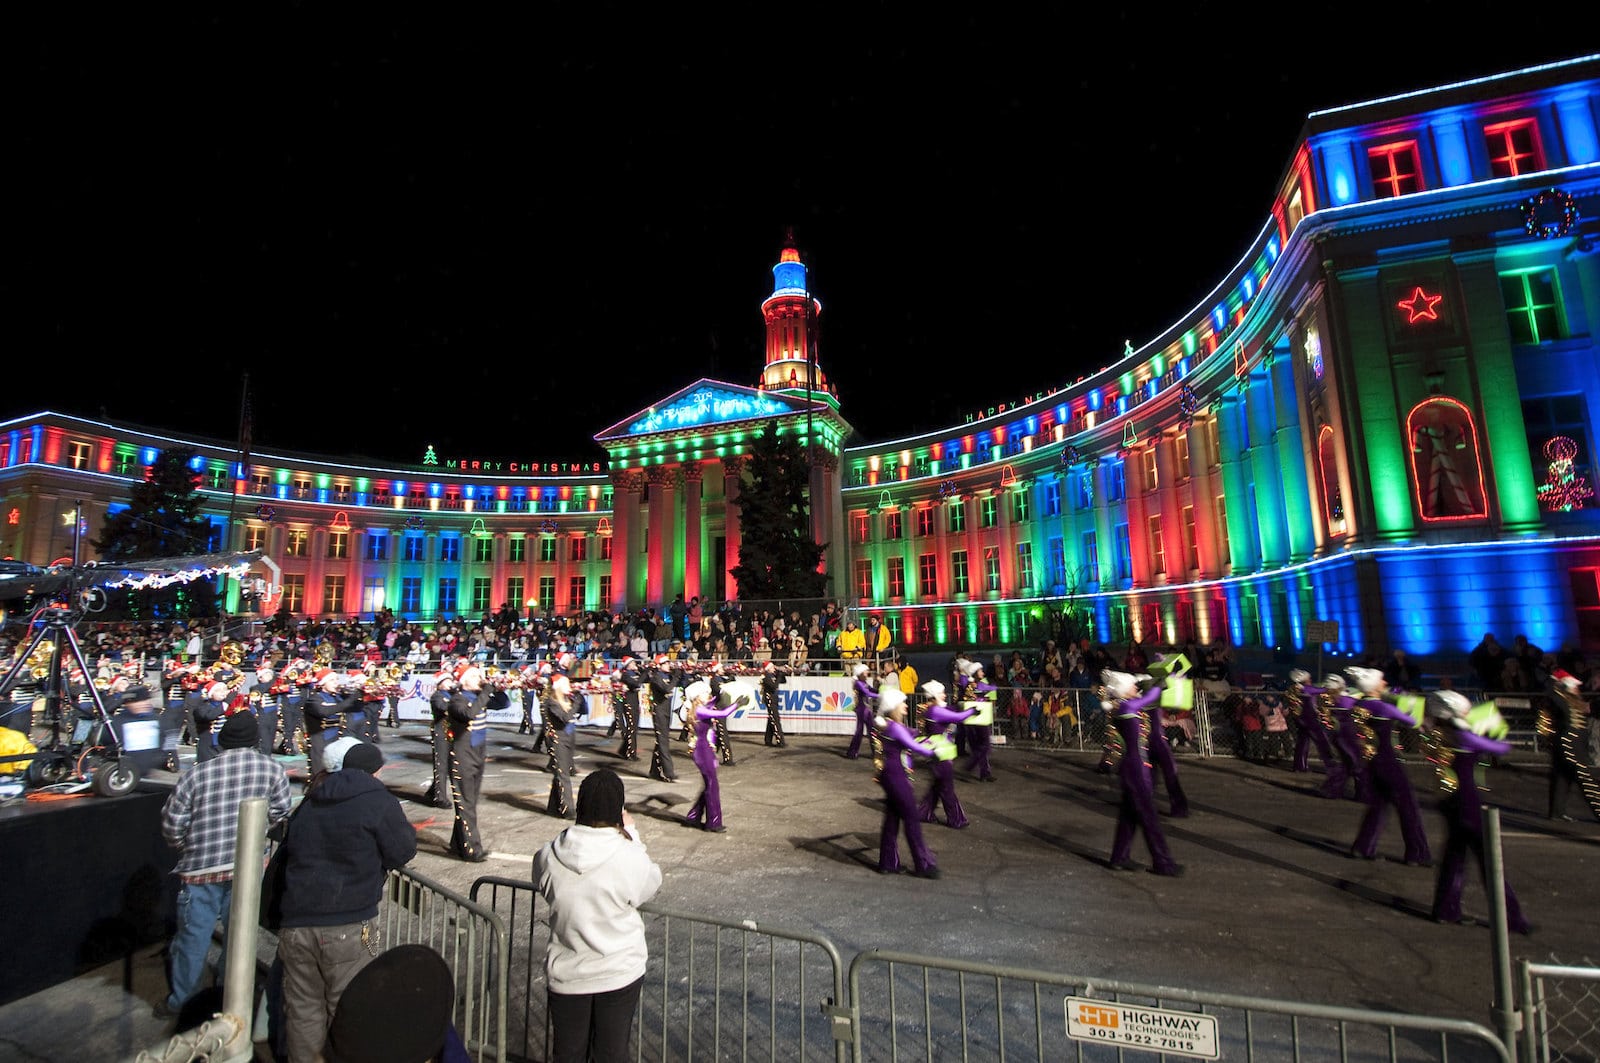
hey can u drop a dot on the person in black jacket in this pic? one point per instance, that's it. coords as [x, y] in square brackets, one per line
[340, 845]
[658, 688]
[627, 708]
[771, 680]
[559, 714]
[468, 722]
[438, 794]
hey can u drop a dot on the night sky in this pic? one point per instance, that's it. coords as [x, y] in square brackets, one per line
[501, 237]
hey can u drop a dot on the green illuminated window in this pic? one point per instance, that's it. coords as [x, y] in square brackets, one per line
[958, 571]
[516, 553]
[480, 594]
[988, 511]
[1533, 308]
[958, 516]
[1025, 568]
[991, 568]
[514, 586]
[547, 552]
[547, 594]
[1019, 506]
[482, 549]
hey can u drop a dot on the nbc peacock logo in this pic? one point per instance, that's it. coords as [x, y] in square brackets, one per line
[840, 701]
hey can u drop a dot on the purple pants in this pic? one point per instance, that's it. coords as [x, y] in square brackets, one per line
[1387, 785]
[943, 791]
[707, 808]
[1138, 810]
[900, 809]
[978, 746]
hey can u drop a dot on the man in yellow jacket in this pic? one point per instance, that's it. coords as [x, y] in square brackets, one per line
[852, 644]
[878, 638]
[908, 685]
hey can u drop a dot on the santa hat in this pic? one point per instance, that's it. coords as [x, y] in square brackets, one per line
[1566, 679]
[264, 674]
[561, 683]
[217, 692]
[326, 677]
[662, 659]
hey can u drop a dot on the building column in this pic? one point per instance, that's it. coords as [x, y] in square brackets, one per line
[1167, 503]
[732, 487]
[828, 523]
[1242, 541]
[1289, 449]
[1259, 407]
[665, 574]
[693, 476]
[625, 488]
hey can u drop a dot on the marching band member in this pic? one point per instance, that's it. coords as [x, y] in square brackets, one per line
[444, 689]
[303, 684]
[267, 708]
[939, 722]
[978, 735]
[719, 732]
[900, 802]
[627, 707]
[1470, 733]
[866, 707]
[365, 721]
[706, 812]
[1346, 741]
[209, 710]
[1310, 730]
[468, 721]
[560, 715]
[771, 680]
[1138, 808]
[657, 691]
[1563, 718]
[325, 713]
[1387, 783]
[1162, 760]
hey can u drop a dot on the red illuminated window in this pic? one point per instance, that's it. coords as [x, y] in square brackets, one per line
[861, 527]
[864, 579]
[1513, 147]
[1395, 169]
[897, 577]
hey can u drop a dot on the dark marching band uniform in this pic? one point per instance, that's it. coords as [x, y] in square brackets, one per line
[657, 692]
[939, 722]
[1387, 783]
[208, 710]
[439, 705]
[866, 709]
[706, 811]
[900, 800]
[719, 726]
[1309, 728]
[771, 680]
[559, 714]
[1562, 723]
[1462, 806]
[325, 712]
[298, 691]
[1138, 809]
[468, 718]
[625, 700]
[266, 695]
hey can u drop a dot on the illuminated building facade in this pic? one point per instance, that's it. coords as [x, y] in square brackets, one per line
[1382, 419]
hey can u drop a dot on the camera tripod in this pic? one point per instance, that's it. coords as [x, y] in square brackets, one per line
[99, 760]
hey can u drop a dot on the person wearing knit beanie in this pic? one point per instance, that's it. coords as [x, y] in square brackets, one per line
[239, 731]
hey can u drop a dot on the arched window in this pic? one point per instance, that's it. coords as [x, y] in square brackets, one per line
[1328, 469]
[1446, 463]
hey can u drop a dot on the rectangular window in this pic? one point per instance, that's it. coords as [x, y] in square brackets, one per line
[517, 552]
[1091, 556]
[897, 577]
[988, 512]
[1056, 558]
[1513, 148]
[255, 538]
[1213, 445]
[260, 482]
[991, 568]
[294, 543]
[1180, 456]
[1395, 169]
[864, 578]
[1024, 568]
[580, 548]
[956, 625]
[78, 454]
[605, 590]
[480, 595]
[377, 546]
[338, 544]
[1116, 481]
[928, 576]
[547, 594]
[514, 587]
[924, 522]
[1191, 544]
[416, 548]
[1147, 458]
[958, 516]
[302, 487]
[294, 592]
[1083, 493]
[958, 571]
[1158, 550]
[1124, 554]
[1224, 555]
[988, 626]
[919, 465]
[1052, 498]
[1533, 309]
[605, 549]
[217, 477]
[893, 526]
[332, 595]
[449, 548]
[547, 548]
[482, 549]
[1019, 507]
[411, 595]
[861, 527]
[1545, 419]
[576, 589]
[372, 595]
[447, 596]
[125, 463]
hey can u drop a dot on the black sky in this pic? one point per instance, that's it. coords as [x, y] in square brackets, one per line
[499, 236]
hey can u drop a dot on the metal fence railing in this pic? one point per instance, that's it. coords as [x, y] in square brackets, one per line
[1560, 1008]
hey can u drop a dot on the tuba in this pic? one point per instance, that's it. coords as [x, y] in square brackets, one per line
[233, 653]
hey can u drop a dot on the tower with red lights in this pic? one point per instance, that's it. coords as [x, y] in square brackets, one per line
[791, 313]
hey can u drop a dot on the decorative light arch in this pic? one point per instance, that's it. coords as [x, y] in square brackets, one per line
[1446, 461]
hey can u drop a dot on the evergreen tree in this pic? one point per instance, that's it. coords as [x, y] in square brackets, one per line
[163, 519]
[777, 556]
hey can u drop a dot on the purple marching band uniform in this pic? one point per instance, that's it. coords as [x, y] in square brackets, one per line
[1138, 809]
[939, 719]
[866, 708]
[900, 801]
[1310, 730]
[1386, 778]
[707, 808]
[1162, 760]
[978, 744]
[1348, 763]
[1463, 810]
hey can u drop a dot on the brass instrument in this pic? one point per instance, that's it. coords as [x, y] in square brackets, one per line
[1366, 737]
[325, 654]
[232, 652]
[1441, 756]
[39, 660]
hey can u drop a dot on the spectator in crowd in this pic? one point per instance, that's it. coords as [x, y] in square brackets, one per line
[593, 876]
[341, 844]
[201, 820]
[1530, 660]
[1401, 672]
[852, 645]
[397, 1008]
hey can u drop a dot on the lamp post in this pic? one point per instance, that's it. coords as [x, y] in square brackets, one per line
[77, 530]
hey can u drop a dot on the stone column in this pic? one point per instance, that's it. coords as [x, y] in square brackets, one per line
[732, 485]
[693, 520]
[663, 570]
[625, 488]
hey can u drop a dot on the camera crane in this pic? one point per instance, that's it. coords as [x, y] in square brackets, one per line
[70, 595]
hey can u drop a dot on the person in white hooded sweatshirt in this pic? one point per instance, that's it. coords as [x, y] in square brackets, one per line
[593, 877]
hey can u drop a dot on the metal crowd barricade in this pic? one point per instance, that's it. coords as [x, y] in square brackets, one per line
[910, 1007]
[1560, 1008]
[713, 988]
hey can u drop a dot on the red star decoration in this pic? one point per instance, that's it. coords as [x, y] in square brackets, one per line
[1421, 306]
